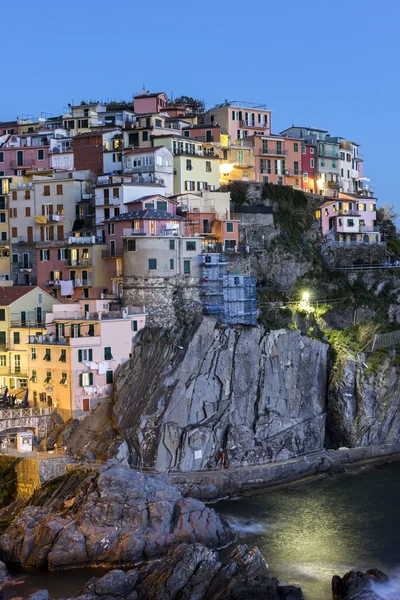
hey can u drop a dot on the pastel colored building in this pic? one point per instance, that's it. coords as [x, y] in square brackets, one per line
[82, 118]
[203, 133]
[209, 216]
[350, 220]
[148, 126]
[20, 154]
[72, 269]
[150, 165]
[73, 359]
[22, 309]
[5, 245]
[309, 167]
[240, 120]
[147, 102]
[194, 169]
[350, 163]
[277, 160]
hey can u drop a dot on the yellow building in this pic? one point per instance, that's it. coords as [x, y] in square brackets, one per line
[236, 160]
[194, 169]
[22, 310]
[5, 254]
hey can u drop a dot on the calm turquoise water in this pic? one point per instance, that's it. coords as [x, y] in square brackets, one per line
[306, 533]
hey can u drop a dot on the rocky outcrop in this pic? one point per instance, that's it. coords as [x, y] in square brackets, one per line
[360, 585]
[112, 517]
[258, 396]
[193, 572]
[3, 575]
[363, 401]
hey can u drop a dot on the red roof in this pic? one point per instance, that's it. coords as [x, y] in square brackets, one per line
[10, 294]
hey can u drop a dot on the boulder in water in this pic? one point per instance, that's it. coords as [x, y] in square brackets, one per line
[357, 584]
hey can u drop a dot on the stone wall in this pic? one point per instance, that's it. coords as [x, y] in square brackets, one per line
[51, 468]
[40, 425]
[168, 301]
[32, 473]
[18, 277]
[344, 256]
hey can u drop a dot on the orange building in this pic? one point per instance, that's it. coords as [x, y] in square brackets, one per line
[277, 160]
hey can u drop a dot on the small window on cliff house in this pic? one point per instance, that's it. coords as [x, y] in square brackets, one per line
[131, 245]
[109, 376]
[107, 353]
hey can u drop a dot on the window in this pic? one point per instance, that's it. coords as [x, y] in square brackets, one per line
[34, 376]
[85, 355]
[186, 267]
[14, 232]
[145, 136]
[334, 164]
[134, 326]
[45, 254]
[362, 207]
[85, 379]
[1, 156]
[172, 244]
[311, 150]
[322, 163]
[296, 147]
[305, 177]
[312, 163]
[109, 376]
[13, 213]
[27, 211]
[208, 166]
[33, 354]
[63, 355]
[64, 379]
[189, 164]
[189, 186]
[350, 223]
[27, 194]
[152, 264]
[230, 227]
[48, 377]
[296, 167]
[17, 337]
[303, 149]
[91, 330]
[171, 264]
[131, 245]
[191, 246]
[3, 310]
[107, 353]
[46, 190]
[115, 192]
[47, 355]
[40, 154]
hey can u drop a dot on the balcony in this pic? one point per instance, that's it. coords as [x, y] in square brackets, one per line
[369, 229]
[80, 241]
[293, 173]
[82, 282]
[13, 372]
[53, 340]
[176, 152]
[28, 163]
[253, 125]
[114, 253]
[82, 262]
[326, 153]
[335, 185]
[273, 152]
[349, 212]
[172, 230]
[243, 166]
[43, 219]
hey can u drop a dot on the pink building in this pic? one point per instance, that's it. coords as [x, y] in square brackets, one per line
[22, 153]
[73, 361]
[150, 103]
[350, 220]
[277, 159]
[240, 120]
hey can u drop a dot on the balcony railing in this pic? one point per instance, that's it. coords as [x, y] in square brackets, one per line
[13, 372]
[42, 219]
[328, 153]
[107, 201]
[81, 262]
[173, 230]
[253, 125]
[82, 282]
[108, 253]
[273, 152]
[369, 228]
[349, 212]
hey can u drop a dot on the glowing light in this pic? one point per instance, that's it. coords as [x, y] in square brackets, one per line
[305, 297]
[225, 168]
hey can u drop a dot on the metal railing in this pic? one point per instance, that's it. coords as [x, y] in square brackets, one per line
[115, 253]
[13, 372]
[369, 228]
[253, 125]
[273, 152]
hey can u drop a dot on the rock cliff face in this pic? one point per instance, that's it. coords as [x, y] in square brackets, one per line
[258, 396]
[363, 402]
[110, 518]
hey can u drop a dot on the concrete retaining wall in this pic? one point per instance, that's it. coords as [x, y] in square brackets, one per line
[235, 481]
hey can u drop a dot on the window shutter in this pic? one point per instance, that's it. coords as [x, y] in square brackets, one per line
[43, 210]
[51, 233]
[60, 232]
[79, 355]
[41, 233]
[90, 378]
[59, 254]
[81, 380]
[90, 354]
[50, 209]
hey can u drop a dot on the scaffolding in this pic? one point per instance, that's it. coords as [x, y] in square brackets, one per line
[230, 297]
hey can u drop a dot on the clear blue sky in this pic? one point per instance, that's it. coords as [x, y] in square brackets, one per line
[328, 64]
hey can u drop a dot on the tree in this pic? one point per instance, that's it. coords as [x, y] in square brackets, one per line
[386, 217]
[196, 104]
